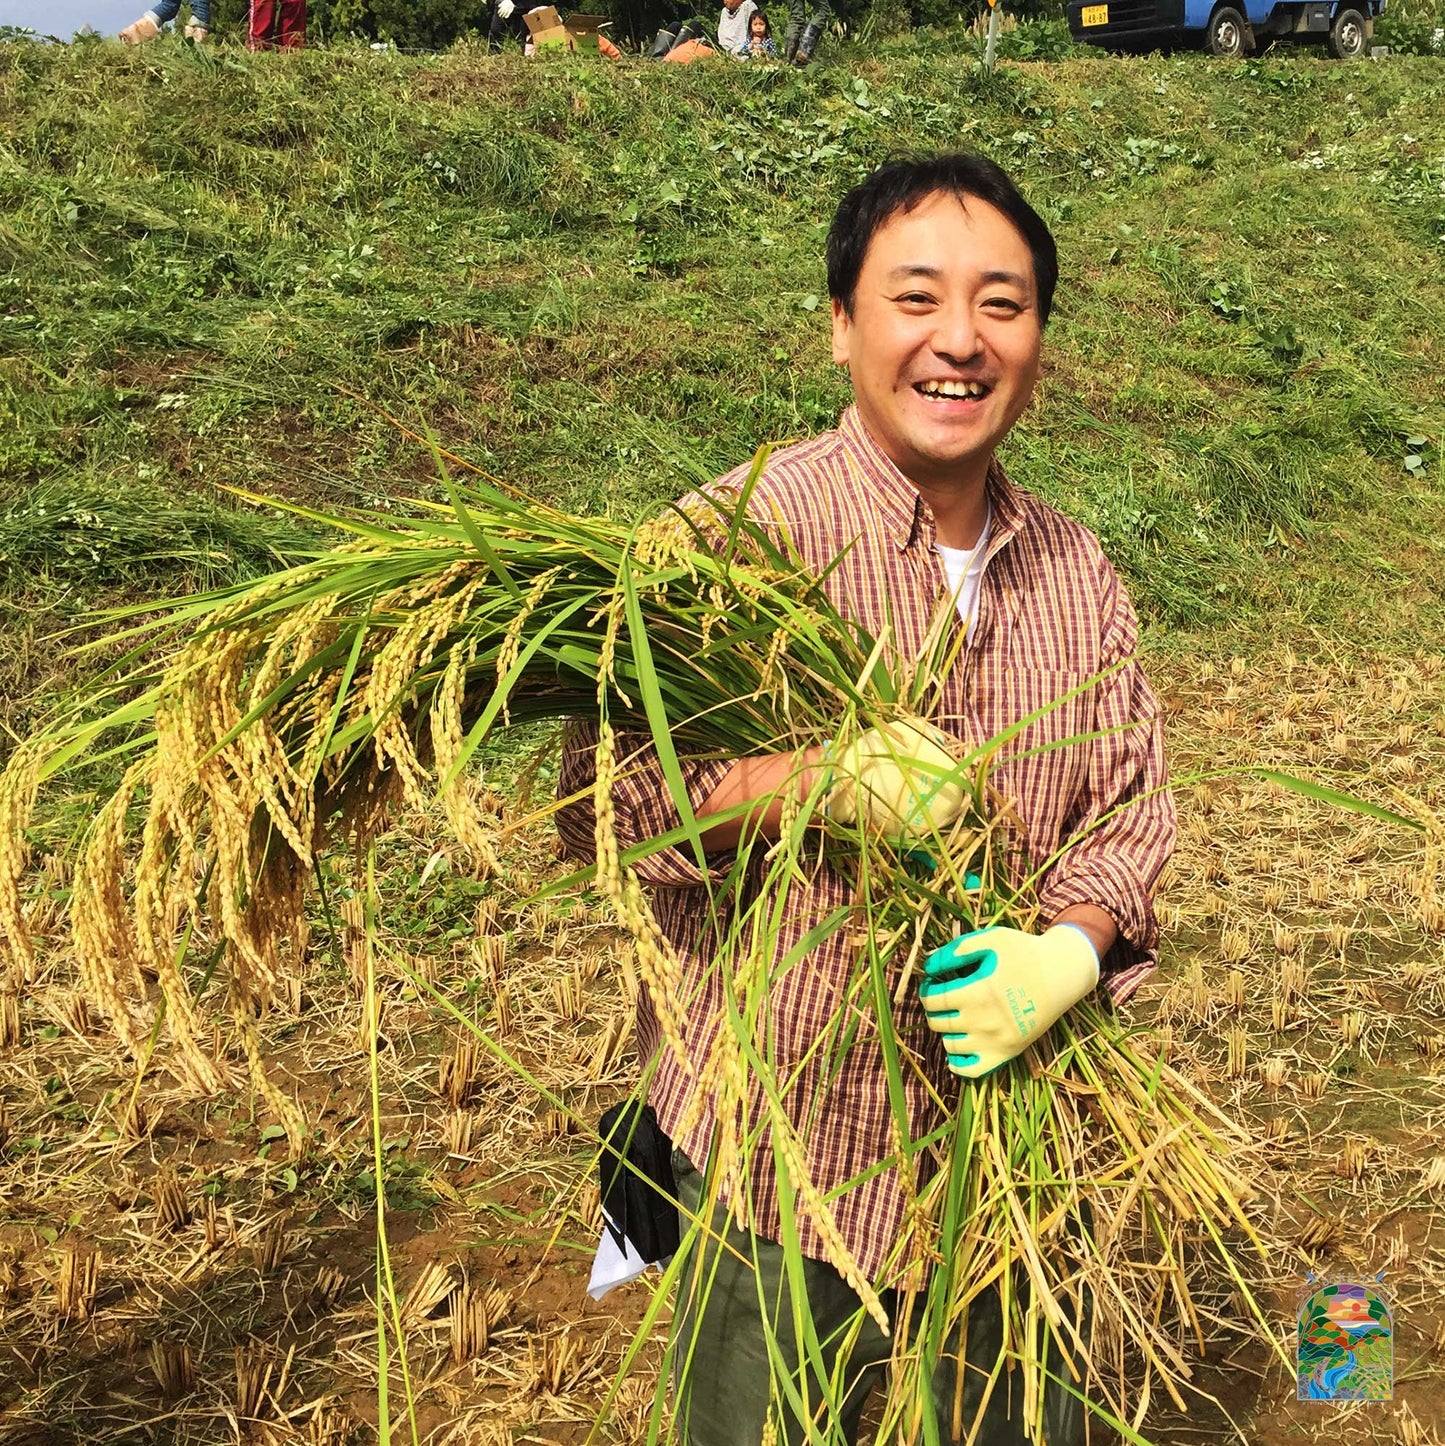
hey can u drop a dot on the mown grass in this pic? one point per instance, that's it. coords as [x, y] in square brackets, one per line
[606, 282]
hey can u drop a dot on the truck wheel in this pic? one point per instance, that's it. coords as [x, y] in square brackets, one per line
[1225, 36]
[1348, 35]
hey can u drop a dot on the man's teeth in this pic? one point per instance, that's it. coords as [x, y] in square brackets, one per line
[953, 389]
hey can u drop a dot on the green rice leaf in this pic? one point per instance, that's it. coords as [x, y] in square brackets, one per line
[1338, 799]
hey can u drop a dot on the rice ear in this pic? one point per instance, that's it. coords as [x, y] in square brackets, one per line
[19, 787]
[656, 961]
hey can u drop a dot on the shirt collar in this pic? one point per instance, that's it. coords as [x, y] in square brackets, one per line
[906, 517]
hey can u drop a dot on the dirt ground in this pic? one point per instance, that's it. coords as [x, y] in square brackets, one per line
[167, 1274]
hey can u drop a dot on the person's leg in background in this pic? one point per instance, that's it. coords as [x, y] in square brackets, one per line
[725, 1398]
[497, 27]
[721, 1369]
[293, 24]
[262, 21]
[812, 32]
[149, 24]
[797, 13]
[507, 23]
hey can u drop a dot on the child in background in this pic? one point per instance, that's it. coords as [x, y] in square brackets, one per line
[760, 38]
[732, 27]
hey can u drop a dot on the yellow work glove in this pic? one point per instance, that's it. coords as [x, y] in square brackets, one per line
[898, 779]
[992, 993]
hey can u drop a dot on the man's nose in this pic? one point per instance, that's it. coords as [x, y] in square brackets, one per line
[955, 334]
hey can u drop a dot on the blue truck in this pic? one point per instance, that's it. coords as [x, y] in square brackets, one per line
[1225, 27]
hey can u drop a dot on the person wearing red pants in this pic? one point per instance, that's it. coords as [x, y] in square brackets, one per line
[267, 16]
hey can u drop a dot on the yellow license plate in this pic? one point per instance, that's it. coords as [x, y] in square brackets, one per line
[1094, 15]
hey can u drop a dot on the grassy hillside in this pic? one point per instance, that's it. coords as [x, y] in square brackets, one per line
[604, 282]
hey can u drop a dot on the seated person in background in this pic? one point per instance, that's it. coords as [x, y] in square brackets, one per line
[760, 38]
[676, 32]
[732, 26]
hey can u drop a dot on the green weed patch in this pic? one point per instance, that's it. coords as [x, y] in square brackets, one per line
[605, 282]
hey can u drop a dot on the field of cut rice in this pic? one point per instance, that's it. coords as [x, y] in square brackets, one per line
[605, 290]
[163, 1252]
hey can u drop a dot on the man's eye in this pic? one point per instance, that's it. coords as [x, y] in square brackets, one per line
[915, 298]
[1004, 303]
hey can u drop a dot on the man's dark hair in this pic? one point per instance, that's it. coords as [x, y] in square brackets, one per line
[902, 185]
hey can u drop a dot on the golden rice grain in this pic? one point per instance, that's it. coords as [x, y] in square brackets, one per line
[19, 785]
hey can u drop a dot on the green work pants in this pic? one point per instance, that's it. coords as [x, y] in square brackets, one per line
[802, 13]
[726, 1396]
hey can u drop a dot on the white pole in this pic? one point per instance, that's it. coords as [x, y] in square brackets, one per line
[991, 48]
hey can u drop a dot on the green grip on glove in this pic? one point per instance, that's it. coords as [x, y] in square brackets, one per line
[992, 993]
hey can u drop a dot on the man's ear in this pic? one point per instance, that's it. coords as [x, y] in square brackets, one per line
[842, 325]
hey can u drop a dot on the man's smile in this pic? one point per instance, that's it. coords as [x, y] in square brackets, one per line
[952, 389]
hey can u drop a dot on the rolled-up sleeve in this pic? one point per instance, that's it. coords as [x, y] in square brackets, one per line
[1124, 816]
[643, 804]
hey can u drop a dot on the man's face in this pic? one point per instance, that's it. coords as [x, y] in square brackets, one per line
[731, 5]
[943, 341]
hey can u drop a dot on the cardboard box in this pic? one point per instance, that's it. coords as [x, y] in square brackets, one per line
[576, 32]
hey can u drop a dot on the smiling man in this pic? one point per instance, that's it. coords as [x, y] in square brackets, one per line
[938, 314]
[942, 278]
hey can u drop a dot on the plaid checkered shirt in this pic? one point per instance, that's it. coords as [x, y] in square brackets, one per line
[1052, 615]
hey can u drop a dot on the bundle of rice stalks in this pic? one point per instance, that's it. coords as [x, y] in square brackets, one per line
[308, 706]
[299, 712]
[1087, 1185]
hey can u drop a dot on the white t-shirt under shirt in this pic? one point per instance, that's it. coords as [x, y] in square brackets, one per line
[732, 27]
[964, 570]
